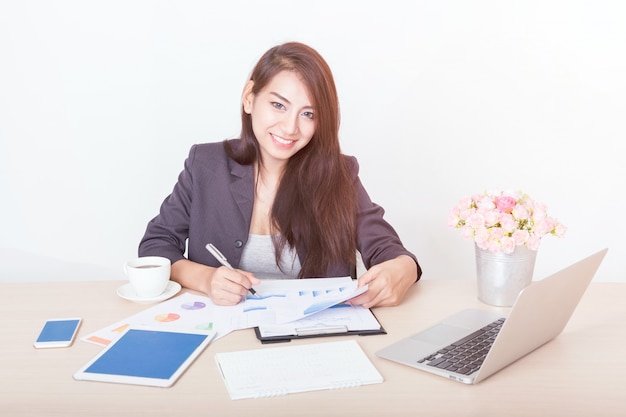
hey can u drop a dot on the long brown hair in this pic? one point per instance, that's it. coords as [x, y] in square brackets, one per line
[315, 206]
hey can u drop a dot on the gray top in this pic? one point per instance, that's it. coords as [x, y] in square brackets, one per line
[258, 258]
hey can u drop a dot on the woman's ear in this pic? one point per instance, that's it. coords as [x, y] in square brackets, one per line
[247, 97]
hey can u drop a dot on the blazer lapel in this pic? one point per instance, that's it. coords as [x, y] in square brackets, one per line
[242, 189]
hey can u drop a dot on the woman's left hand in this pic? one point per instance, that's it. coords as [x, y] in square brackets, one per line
[387, 282]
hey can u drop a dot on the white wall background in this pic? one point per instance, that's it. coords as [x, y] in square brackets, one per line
[101, 100]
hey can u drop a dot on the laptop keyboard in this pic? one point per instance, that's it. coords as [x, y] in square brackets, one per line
[465, 356]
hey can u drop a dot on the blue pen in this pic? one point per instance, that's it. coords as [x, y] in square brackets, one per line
[222, 259]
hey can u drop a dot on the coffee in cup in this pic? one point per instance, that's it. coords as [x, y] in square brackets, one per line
[148, 275]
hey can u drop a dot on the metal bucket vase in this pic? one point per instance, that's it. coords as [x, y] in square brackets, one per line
[502, 276]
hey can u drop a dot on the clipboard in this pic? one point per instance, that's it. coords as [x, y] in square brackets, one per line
[340, 320]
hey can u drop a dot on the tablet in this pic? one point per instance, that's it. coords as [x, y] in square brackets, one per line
[146, 356]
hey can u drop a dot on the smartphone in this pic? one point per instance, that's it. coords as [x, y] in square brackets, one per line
[58, 333]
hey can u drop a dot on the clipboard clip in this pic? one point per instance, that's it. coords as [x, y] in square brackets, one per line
[321, 329]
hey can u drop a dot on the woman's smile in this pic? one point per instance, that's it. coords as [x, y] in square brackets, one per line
[282, 141]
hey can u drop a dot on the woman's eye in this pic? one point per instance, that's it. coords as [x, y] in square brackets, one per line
[278, 105]
[309, 115]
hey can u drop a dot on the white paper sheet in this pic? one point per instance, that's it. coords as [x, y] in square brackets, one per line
[280, 301]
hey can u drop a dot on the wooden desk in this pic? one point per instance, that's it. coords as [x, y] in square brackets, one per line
[580, 373]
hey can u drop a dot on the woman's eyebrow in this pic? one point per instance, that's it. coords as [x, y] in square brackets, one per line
[275, 94]
[279, 97]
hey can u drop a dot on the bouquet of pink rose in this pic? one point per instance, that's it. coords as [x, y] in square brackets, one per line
[499, 221]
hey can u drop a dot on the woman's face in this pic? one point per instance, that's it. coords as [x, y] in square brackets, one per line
[283, 118]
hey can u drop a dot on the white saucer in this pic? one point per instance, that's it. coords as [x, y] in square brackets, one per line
[127, 292]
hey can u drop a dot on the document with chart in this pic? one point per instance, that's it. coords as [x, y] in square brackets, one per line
[278, 301]
[283, 301]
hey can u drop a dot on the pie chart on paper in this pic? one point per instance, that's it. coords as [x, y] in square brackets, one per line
[164, 318]
[196, 305]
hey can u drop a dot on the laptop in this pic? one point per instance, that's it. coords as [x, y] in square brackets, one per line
[539, 314]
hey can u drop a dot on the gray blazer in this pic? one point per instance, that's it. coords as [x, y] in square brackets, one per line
[212, 202]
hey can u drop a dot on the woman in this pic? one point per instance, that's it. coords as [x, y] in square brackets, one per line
[281, 201]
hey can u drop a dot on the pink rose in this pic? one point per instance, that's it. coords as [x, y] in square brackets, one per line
[467, 232]
[491, 218]
[520, 236]
[520, 212]
[493, 246]
[508, 244]
[481, 237]
[496, 233]
[540, 211]
[544, 226]
[465, 214]
[484, 203]
[476, 220]
[508, 223]
[505, 203]
[533, 242]
[453, 220]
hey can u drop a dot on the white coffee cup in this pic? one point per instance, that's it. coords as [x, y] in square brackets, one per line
[148, 275]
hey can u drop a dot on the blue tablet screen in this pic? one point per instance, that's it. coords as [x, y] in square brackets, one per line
[147, 354]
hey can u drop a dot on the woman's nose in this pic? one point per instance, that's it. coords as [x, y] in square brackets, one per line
[290, 124]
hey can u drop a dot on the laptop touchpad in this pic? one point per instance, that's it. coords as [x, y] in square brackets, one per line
[441, 334]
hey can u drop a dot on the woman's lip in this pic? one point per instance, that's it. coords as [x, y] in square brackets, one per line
[283, 141]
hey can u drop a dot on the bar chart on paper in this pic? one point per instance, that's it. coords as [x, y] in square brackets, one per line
[279, 301]
[290, 300]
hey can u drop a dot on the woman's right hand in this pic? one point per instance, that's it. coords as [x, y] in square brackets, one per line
[223, 285]
[229, 286]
